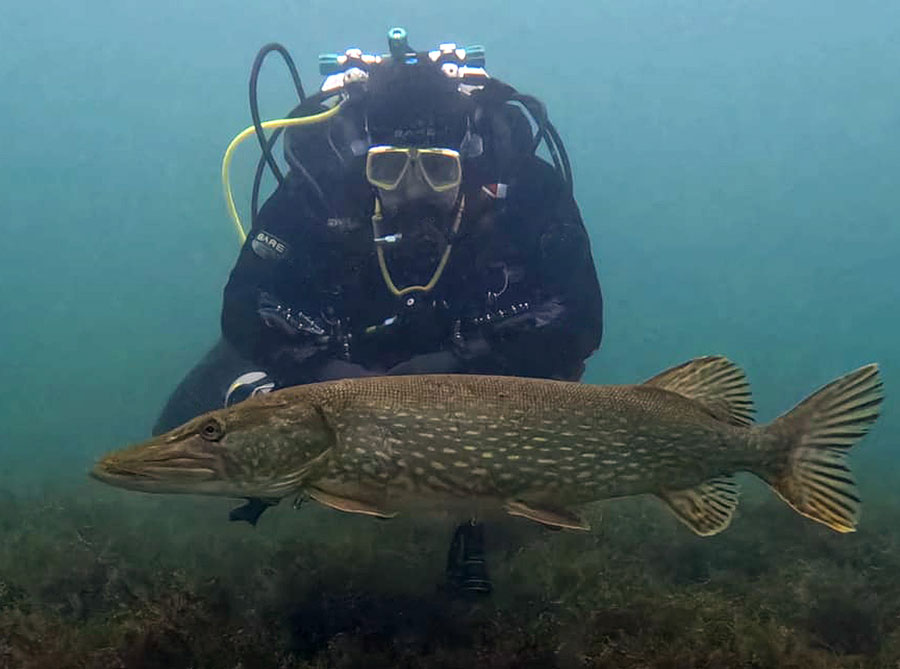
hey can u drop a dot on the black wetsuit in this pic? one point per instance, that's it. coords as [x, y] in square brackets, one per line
[306, 300]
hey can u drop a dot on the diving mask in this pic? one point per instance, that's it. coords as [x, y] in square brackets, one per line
[439, 168]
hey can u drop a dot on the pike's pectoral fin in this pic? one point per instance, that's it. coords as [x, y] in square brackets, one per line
[555, 518]
[715, 382]
[707, 508]
[355, 500]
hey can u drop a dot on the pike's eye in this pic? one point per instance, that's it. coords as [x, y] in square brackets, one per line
[212, 430]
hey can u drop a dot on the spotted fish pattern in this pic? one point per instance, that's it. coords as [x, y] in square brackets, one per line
[536, 448]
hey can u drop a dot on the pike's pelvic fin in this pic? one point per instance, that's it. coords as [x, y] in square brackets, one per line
[551, 517]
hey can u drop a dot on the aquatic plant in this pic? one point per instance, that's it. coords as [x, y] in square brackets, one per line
[99, 579]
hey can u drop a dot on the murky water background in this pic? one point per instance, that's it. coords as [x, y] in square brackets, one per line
[735, 163]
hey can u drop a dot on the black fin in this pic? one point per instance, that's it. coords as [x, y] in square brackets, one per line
[252, 510]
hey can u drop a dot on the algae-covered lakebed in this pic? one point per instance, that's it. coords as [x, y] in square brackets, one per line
[97, 578]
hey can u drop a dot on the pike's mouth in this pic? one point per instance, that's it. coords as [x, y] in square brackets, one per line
[163, 473]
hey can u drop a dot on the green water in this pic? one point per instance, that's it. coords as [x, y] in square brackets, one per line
[735, 163]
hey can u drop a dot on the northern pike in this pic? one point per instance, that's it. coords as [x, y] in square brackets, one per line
[532, 447]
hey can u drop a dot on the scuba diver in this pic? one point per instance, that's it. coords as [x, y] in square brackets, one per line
[415, 231]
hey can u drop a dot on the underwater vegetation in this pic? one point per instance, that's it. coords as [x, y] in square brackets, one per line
[100, 579]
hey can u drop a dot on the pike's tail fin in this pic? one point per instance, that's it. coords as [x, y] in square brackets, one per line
[811, 473]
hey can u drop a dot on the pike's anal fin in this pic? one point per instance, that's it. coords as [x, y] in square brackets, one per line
[554, 518]
[707, 508]
[350, 501]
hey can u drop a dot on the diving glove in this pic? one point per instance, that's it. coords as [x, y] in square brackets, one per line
[290, 321]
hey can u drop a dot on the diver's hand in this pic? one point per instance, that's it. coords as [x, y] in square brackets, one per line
[539, 316]
[331, 370]
[442, 362]
[289, 321]
[294, 357]
[471, 347]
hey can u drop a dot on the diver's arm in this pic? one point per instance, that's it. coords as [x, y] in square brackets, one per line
[261, 314]
[565, 322]
[269, 314]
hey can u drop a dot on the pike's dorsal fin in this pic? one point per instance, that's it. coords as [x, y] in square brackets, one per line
[557, 518]
[715, 382]
[707, 508]
[351, 501]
